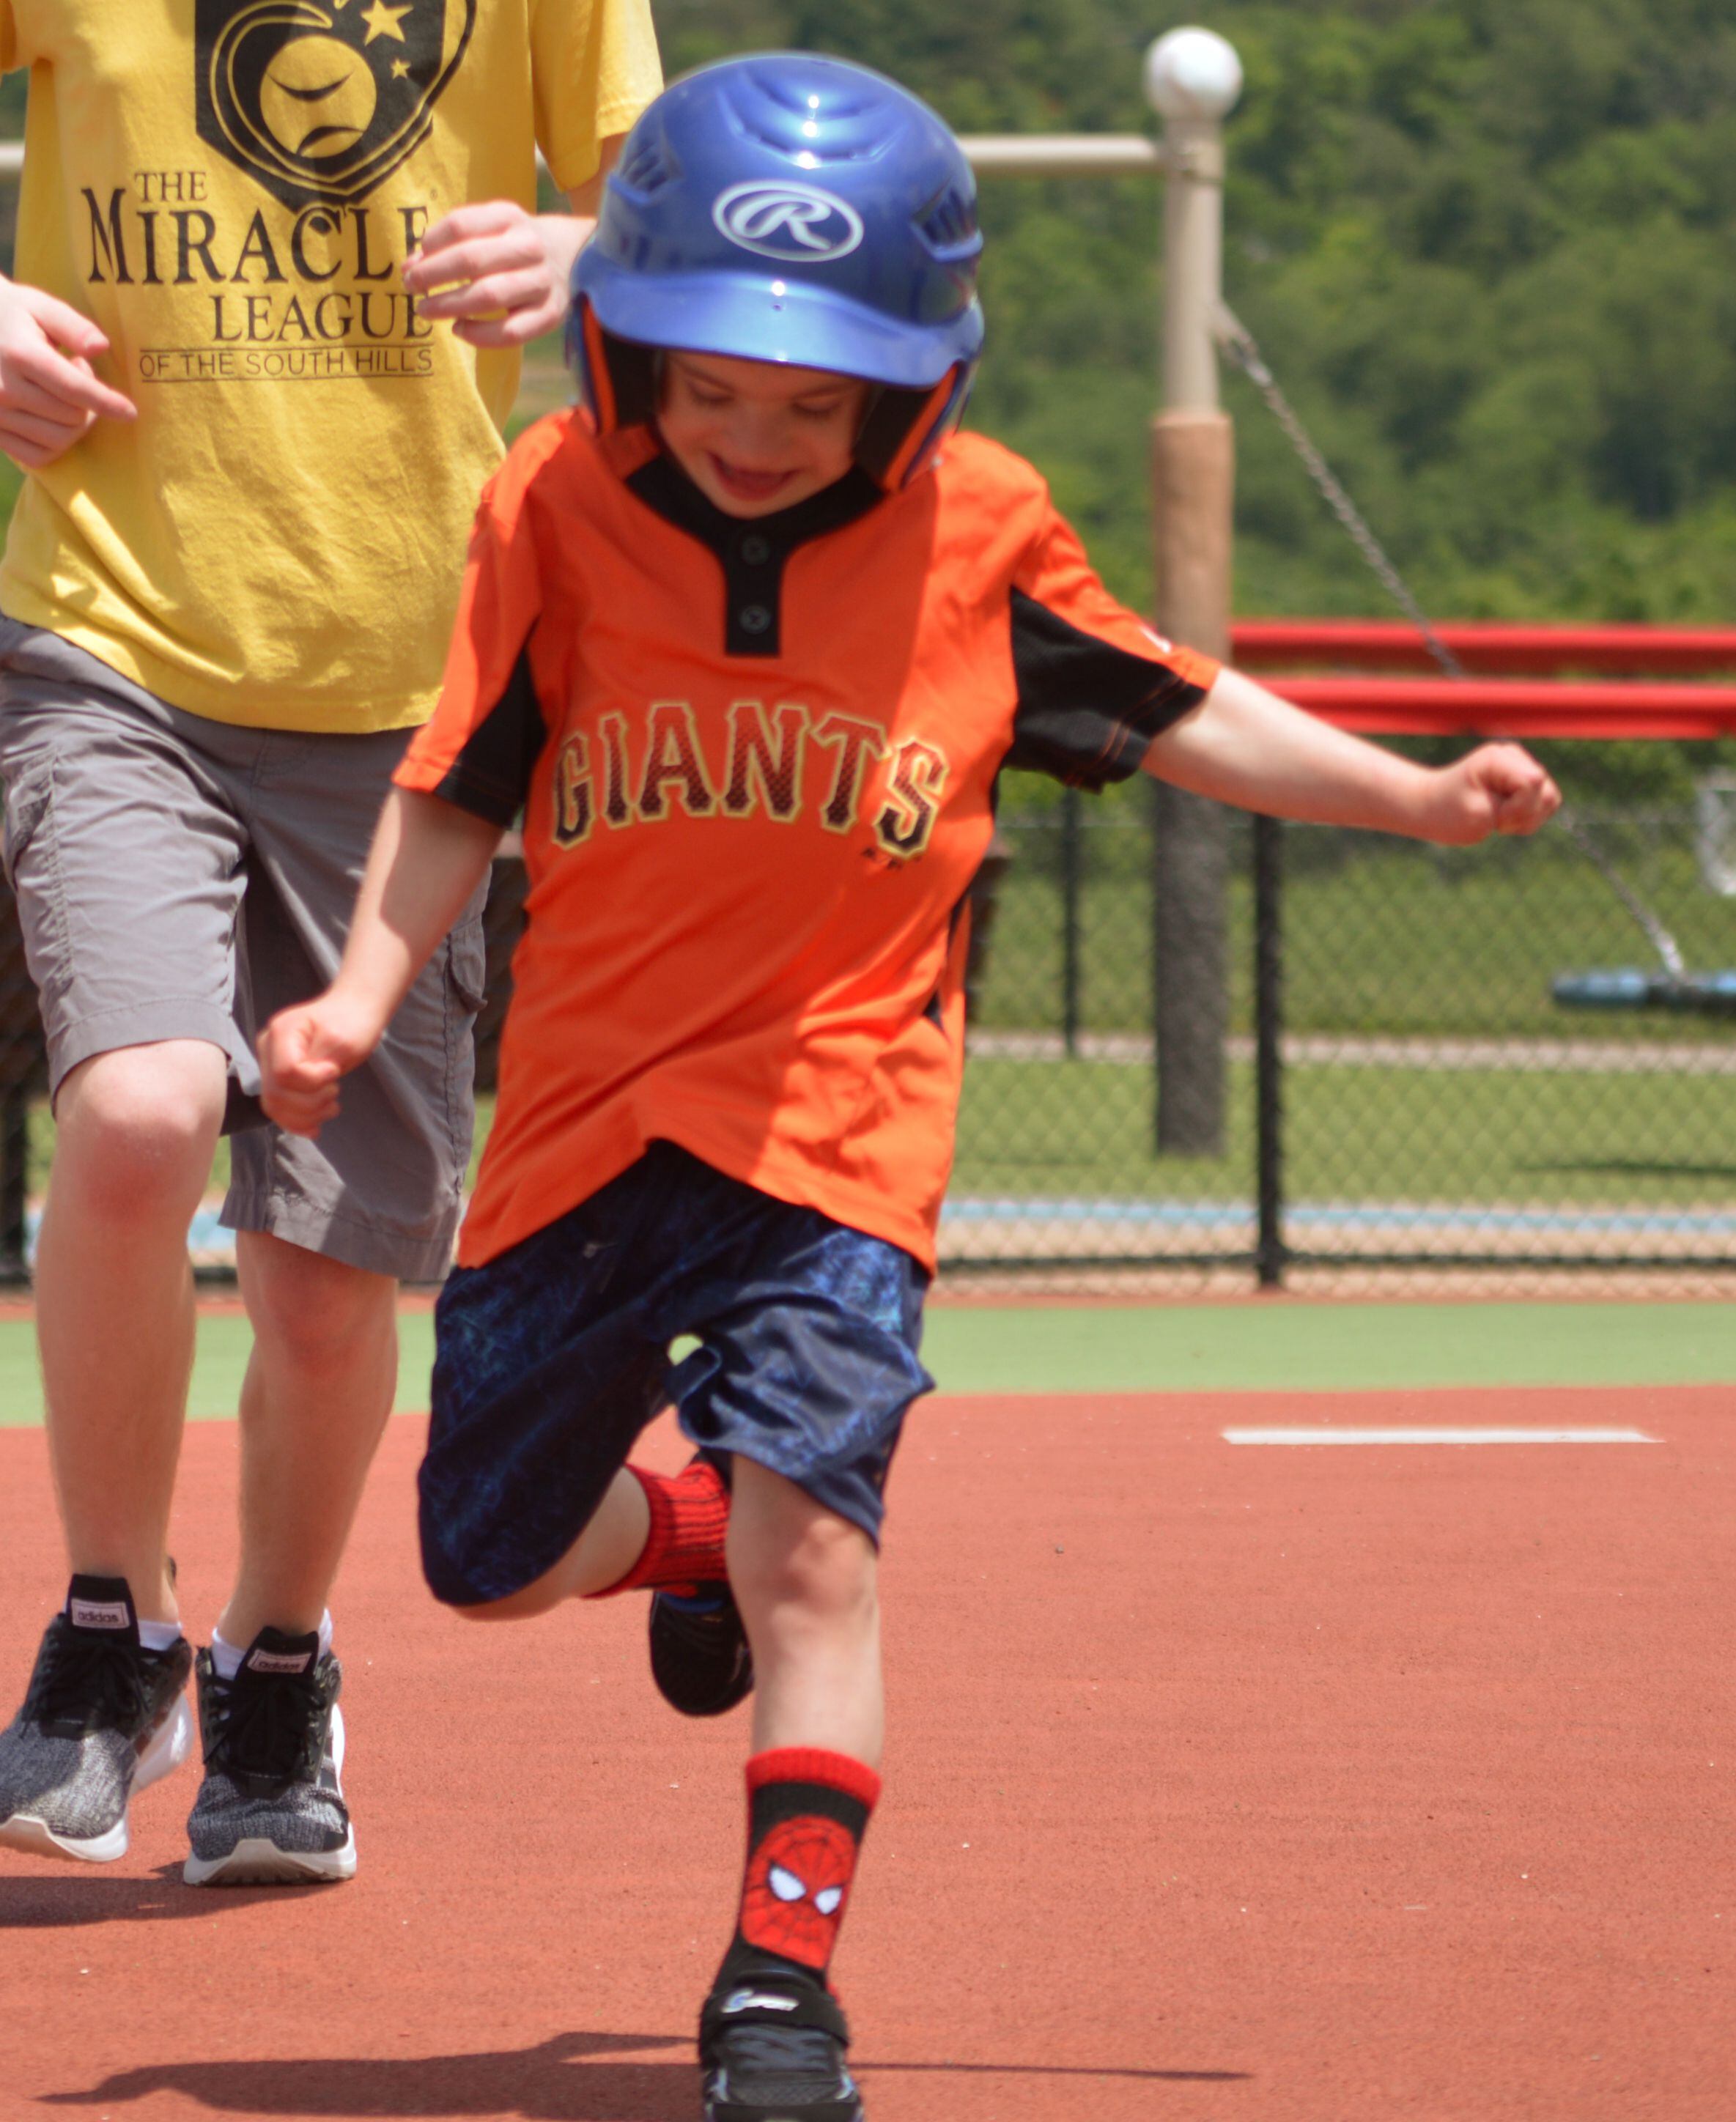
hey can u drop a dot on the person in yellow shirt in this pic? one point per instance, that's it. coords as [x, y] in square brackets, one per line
[274, 265]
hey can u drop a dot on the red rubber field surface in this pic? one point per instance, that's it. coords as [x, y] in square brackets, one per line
[1337, 1784]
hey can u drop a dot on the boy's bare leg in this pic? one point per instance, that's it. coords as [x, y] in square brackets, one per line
[319, 1387]
[136, 1131]
[806, 1583]
[601, 1555]
[805, 1580]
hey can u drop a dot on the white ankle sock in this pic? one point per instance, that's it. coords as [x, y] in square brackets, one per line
[159, 1635]
[227, 1656]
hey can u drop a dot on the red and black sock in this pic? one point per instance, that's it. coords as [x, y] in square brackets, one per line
[690, 1517]
[807, 1812]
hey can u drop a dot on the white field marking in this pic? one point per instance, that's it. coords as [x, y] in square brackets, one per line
[1439, 1437]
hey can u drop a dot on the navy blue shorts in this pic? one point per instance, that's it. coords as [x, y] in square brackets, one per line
[551, 1358]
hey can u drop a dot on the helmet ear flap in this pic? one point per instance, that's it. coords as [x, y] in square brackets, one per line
[617, 380]
[903, 428]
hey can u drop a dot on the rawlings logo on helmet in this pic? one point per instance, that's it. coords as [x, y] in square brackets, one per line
[798, 223]
[874, 276]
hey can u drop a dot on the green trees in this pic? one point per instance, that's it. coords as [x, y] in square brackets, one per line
[1487, 244]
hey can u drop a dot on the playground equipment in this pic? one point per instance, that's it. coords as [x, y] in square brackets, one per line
[1706, 994]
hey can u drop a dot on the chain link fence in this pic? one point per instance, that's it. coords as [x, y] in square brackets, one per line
[1429, 1104]
[1404, 1093]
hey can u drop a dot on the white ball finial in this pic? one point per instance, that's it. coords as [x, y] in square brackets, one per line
[1192, 74]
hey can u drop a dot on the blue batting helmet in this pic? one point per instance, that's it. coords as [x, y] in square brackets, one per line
[787, 208]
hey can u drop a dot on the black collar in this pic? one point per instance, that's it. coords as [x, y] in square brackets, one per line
[752, 550]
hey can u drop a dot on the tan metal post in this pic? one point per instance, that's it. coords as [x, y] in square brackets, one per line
[1193, 78]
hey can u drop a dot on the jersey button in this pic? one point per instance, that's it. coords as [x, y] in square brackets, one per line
[755, 551]
[753, 618]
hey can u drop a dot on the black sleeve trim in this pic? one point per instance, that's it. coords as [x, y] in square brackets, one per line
[491, 777]
[1087, 711]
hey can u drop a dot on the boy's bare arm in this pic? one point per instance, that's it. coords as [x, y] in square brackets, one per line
[427, 857]
[502, 276]
[1242, 745]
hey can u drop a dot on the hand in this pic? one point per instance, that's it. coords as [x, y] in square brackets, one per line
[303, 1052]
[1497, 788]
[502, 275]
[49, 395]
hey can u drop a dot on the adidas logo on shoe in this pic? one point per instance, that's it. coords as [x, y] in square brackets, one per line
[259, 1661]
[98, 1613]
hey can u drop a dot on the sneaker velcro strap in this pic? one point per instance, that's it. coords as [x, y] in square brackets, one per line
[773, 2000]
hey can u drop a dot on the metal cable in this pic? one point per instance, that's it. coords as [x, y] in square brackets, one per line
[1238, 344]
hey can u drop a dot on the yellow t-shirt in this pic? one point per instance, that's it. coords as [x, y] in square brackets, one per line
[229, 189]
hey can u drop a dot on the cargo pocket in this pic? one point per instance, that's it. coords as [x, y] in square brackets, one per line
[466, 965]
[27, 800]
[466, 961]
[36, 936]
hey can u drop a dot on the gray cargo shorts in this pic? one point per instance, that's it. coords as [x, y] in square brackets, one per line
[180, 878]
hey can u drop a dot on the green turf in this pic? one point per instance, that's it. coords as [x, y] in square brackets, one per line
[1658, 1139]
[223, 1345]
[1327, 1347]
[1043, 1348]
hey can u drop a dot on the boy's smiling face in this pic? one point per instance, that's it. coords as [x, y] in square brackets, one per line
[755, 435]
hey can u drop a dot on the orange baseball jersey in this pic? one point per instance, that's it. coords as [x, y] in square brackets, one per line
[757, 762]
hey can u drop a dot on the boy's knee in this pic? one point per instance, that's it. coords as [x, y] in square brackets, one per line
[137, 1127]
[823, 1565]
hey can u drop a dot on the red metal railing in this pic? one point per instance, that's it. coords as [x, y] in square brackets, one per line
[1515, 702]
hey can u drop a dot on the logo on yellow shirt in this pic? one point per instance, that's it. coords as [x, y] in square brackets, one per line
[320, 100]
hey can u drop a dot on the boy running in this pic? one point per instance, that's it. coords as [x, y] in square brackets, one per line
[275, 264]
[750, 644]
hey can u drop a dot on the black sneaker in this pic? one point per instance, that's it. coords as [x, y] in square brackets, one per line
[700, 1654]
[103, 1718]
[772, 2049]
[270, 1812]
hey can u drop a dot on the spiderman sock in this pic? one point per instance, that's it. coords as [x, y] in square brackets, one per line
[690, 1515]
[807, 1812]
